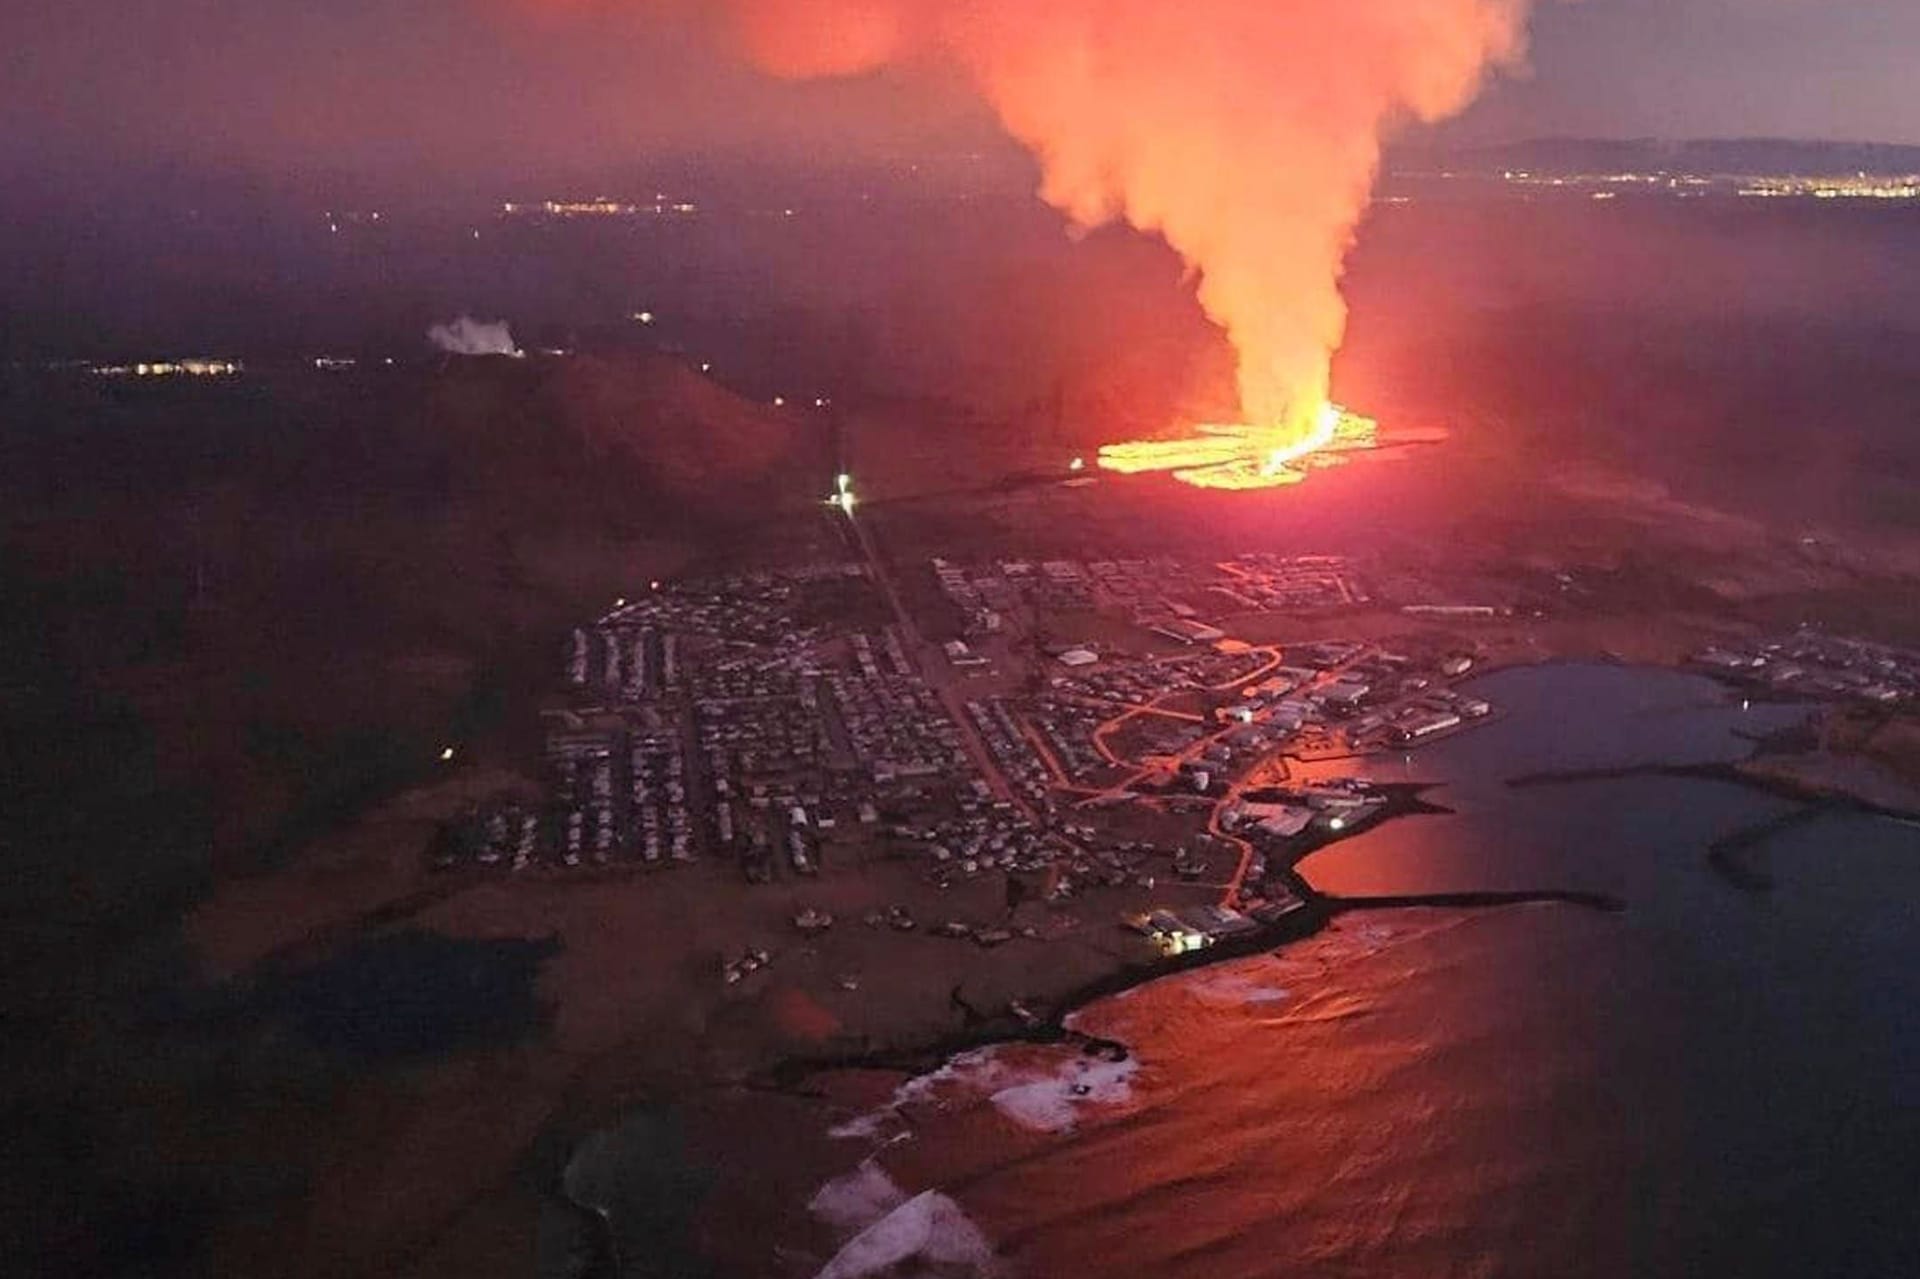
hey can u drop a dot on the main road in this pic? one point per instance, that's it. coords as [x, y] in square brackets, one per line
[917, 644]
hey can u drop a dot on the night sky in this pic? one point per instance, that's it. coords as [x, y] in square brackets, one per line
[484, 87]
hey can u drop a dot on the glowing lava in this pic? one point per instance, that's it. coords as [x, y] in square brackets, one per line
[1230, 456]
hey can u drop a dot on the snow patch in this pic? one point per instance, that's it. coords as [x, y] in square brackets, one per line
[928, 1228]
[1039, 1096]
[867, 1127]
[965, 1067]
[857, 1199]
[1053, 1102]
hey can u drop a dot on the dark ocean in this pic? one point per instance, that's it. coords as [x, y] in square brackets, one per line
[1716, 1081]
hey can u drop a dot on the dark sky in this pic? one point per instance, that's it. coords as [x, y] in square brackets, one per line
[1831, 69]
[492, 87]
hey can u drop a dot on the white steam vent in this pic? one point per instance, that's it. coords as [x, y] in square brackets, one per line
[468, 336]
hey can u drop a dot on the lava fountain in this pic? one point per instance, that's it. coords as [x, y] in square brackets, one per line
[1245, 134]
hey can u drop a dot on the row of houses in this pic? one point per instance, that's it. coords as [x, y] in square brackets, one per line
[1811, 663]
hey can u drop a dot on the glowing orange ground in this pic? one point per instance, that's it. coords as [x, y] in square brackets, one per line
[1229, 456]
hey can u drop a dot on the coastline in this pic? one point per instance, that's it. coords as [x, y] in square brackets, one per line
[1048, 1026]
[794, 1075]
[1741, 773]
[1044, 1020]
[707, 1047]
[1730, 855]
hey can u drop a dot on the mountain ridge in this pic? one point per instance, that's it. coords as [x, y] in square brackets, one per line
[1744, 157]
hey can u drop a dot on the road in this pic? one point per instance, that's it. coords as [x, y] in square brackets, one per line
[917, 645]
[1235, 885]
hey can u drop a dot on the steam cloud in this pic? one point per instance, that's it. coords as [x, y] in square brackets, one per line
[1247, 133]
[468, 336]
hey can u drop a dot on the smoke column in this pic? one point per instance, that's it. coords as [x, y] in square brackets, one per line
[1247, 133]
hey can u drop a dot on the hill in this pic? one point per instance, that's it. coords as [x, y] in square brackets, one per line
[240, 614]
[1703, 156]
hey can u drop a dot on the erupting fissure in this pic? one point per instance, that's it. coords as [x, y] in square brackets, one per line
[1243, 457]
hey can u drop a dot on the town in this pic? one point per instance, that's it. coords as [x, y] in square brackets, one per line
[797, 722]
[1110, 732]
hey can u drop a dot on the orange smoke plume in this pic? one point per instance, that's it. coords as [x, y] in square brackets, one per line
[1247, 133]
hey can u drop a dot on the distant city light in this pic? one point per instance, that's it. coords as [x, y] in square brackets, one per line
[194, 367]
[600, 207]
[779, 401]
[1078, 464]
[446, 754]
[1845, 186]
